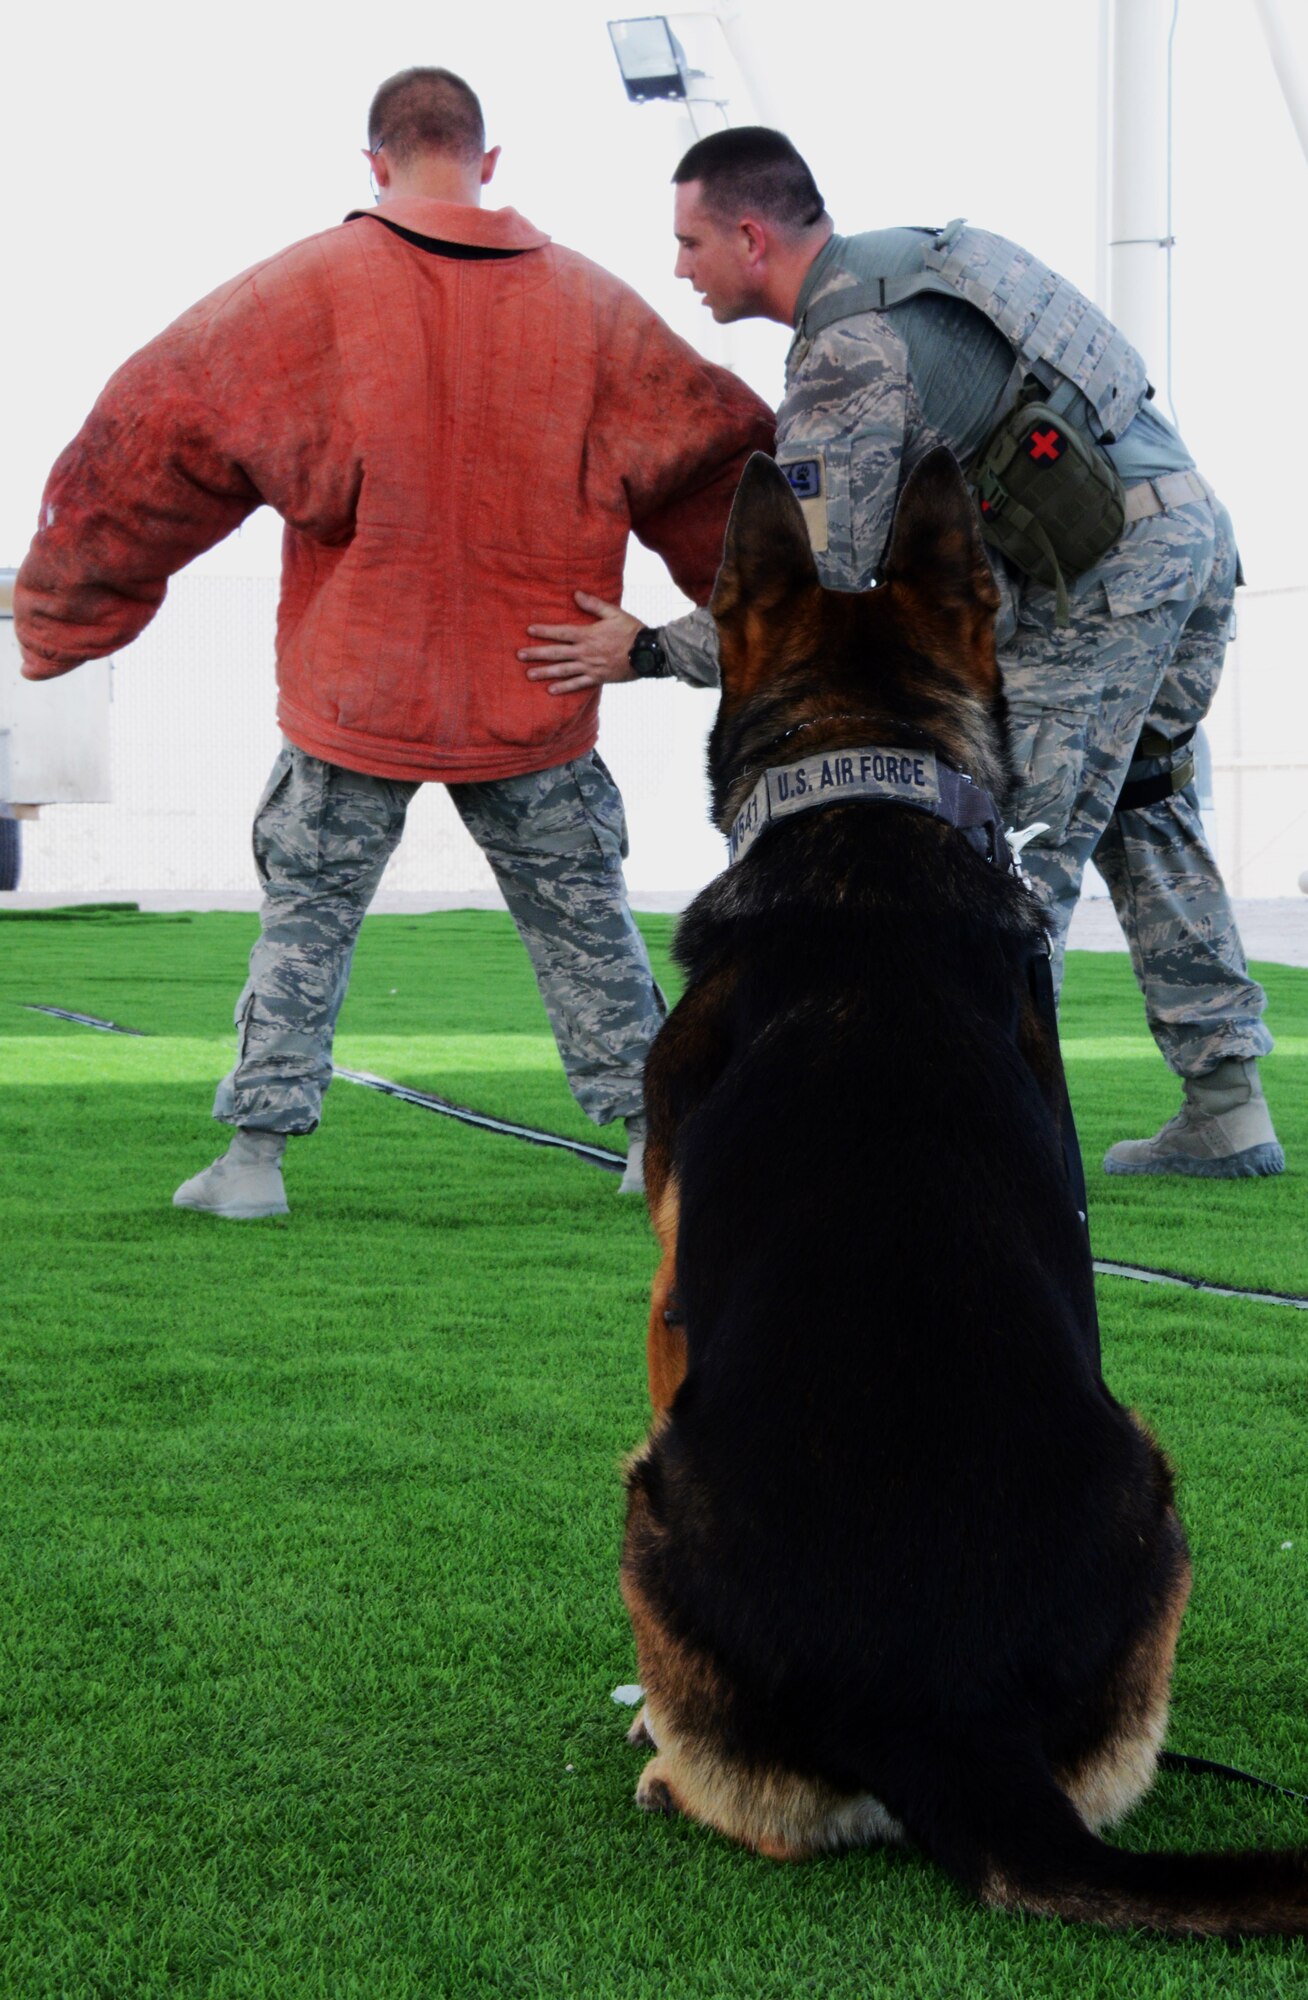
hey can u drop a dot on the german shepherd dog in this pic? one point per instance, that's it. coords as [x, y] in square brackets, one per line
[898, 1564]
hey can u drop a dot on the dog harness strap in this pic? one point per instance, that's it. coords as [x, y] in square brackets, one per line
[881, 775]
[972, 810]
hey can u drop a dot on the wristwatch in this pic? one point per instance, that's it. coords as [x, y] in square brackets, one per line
[649, 662]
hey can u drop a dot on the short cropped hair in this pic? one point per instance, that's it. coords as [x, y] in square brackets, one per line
[426, 111]
[752, 169]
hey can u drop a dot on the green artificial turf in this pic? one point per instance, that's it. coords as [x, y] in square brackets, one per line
[1250, 1233]
[308, 1535]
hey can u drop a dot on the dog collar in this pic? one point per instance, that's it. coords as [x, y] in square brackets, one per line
[886, 776]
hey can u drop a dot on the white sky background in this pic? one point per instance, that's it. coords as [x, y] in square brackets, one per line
[152, 151]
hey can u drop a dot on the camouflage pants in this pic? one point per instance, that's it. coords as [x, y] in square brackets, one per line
[1144, 646]
[556, 841]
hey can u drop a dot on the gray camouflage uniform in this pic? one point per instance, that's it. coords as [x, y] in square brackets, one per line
[556, 840]
[866, 398]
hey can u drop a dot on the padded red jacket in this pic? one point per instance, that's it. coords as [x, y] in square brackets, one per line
[455, 444]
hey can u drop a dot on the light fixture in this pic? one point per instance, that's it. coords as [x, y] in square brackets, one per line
[650, 58]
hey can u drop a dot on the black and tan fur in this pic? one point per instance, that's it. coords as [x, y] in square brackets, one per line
[897, 1563]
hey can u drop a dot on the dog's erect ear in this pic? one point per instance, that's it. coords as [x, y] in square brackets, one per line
[938, 567]
[766, 564]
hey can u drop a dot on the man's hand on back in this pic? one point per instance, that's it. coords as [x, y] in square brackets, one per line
[584, 656]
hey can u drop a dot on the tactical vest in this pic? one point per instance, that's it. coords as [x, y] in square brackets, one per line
[1057, 333]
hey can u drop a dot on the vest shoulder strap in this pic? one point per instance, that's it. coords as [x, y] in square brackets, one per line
[879, 294]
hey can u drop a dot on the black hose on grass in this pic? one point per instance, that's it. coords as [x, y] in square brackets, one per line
[613, 1163]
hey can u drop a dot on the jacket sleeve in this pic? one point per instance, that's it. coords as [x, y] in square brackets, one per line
[693, 426]
[187, 439]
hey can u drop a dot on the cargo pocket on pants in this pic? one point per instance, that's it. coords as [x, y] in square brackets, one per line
[277, 778]
[241, 1022]
[1047, 754]
[602, 804]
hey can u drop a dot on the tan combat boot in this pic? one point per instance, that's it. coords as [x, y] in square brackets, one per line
[245, 1184]
[1223, 1131]
[633, 1179]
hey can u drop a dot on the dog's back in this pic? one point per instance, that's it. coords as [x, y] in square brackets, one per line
[895, 1557]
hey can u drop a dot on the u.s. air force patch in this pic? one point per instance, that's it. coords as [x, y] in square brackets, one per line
[909, 777]
[808, 483]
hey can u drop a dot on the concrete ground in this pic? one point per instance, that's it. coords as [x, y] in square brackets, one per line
[1275, 929]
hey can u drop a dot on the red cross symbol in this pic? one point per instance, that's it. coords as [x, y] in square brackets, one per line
[1044, 444]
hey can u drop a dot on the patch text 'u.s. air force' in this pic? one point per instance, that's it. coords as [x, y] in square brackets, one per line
[908, 777]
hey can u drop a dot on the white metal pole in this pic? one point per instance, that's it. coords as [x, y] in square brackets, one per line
[1138, 238]
[731, 16]
[1289, 52]
[1104, 103]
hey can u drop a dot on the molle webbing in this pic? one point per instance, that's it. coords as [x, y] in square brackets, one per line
[1050, 498]
[1054, 329]
[1052, 325]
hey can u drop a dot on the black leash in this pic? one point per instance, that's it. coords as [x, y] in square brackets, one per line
[1176, 1760]
[600, 1156]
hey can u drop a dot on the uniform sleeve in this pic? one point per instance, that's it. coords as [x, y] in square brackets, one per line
[690, 428]
[848, 426]
[691, 646]
[848, 432]
[187, 439]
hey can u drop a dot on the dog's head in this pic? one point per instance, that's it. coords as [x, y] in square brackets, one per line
[806, 669]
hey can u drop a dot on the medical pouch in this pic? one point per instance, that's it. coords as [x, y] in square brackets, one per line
[1050, 500]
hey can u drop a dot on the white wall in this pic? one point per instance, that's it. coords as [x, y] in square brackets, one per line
[1259, 740]
[193, 734]
[149, 151]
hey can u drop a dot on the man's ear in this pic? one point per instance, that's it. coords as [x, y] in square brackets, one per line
[939, 571]
[754, 243]
[767, 564]
[489, 163]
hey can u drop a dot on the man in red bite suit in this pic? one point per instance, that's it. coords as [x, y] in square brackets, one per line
[455, 419]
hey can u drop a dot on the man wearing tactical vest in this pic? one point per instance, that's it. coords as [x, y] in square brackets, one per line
[1115, 560]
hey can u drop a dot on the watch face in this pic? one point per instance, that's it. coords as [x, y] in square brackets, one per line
[646, 656]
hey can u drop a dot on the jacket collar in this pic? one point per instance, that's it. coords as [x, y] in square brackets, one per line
[824, 267]
[458, 222]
